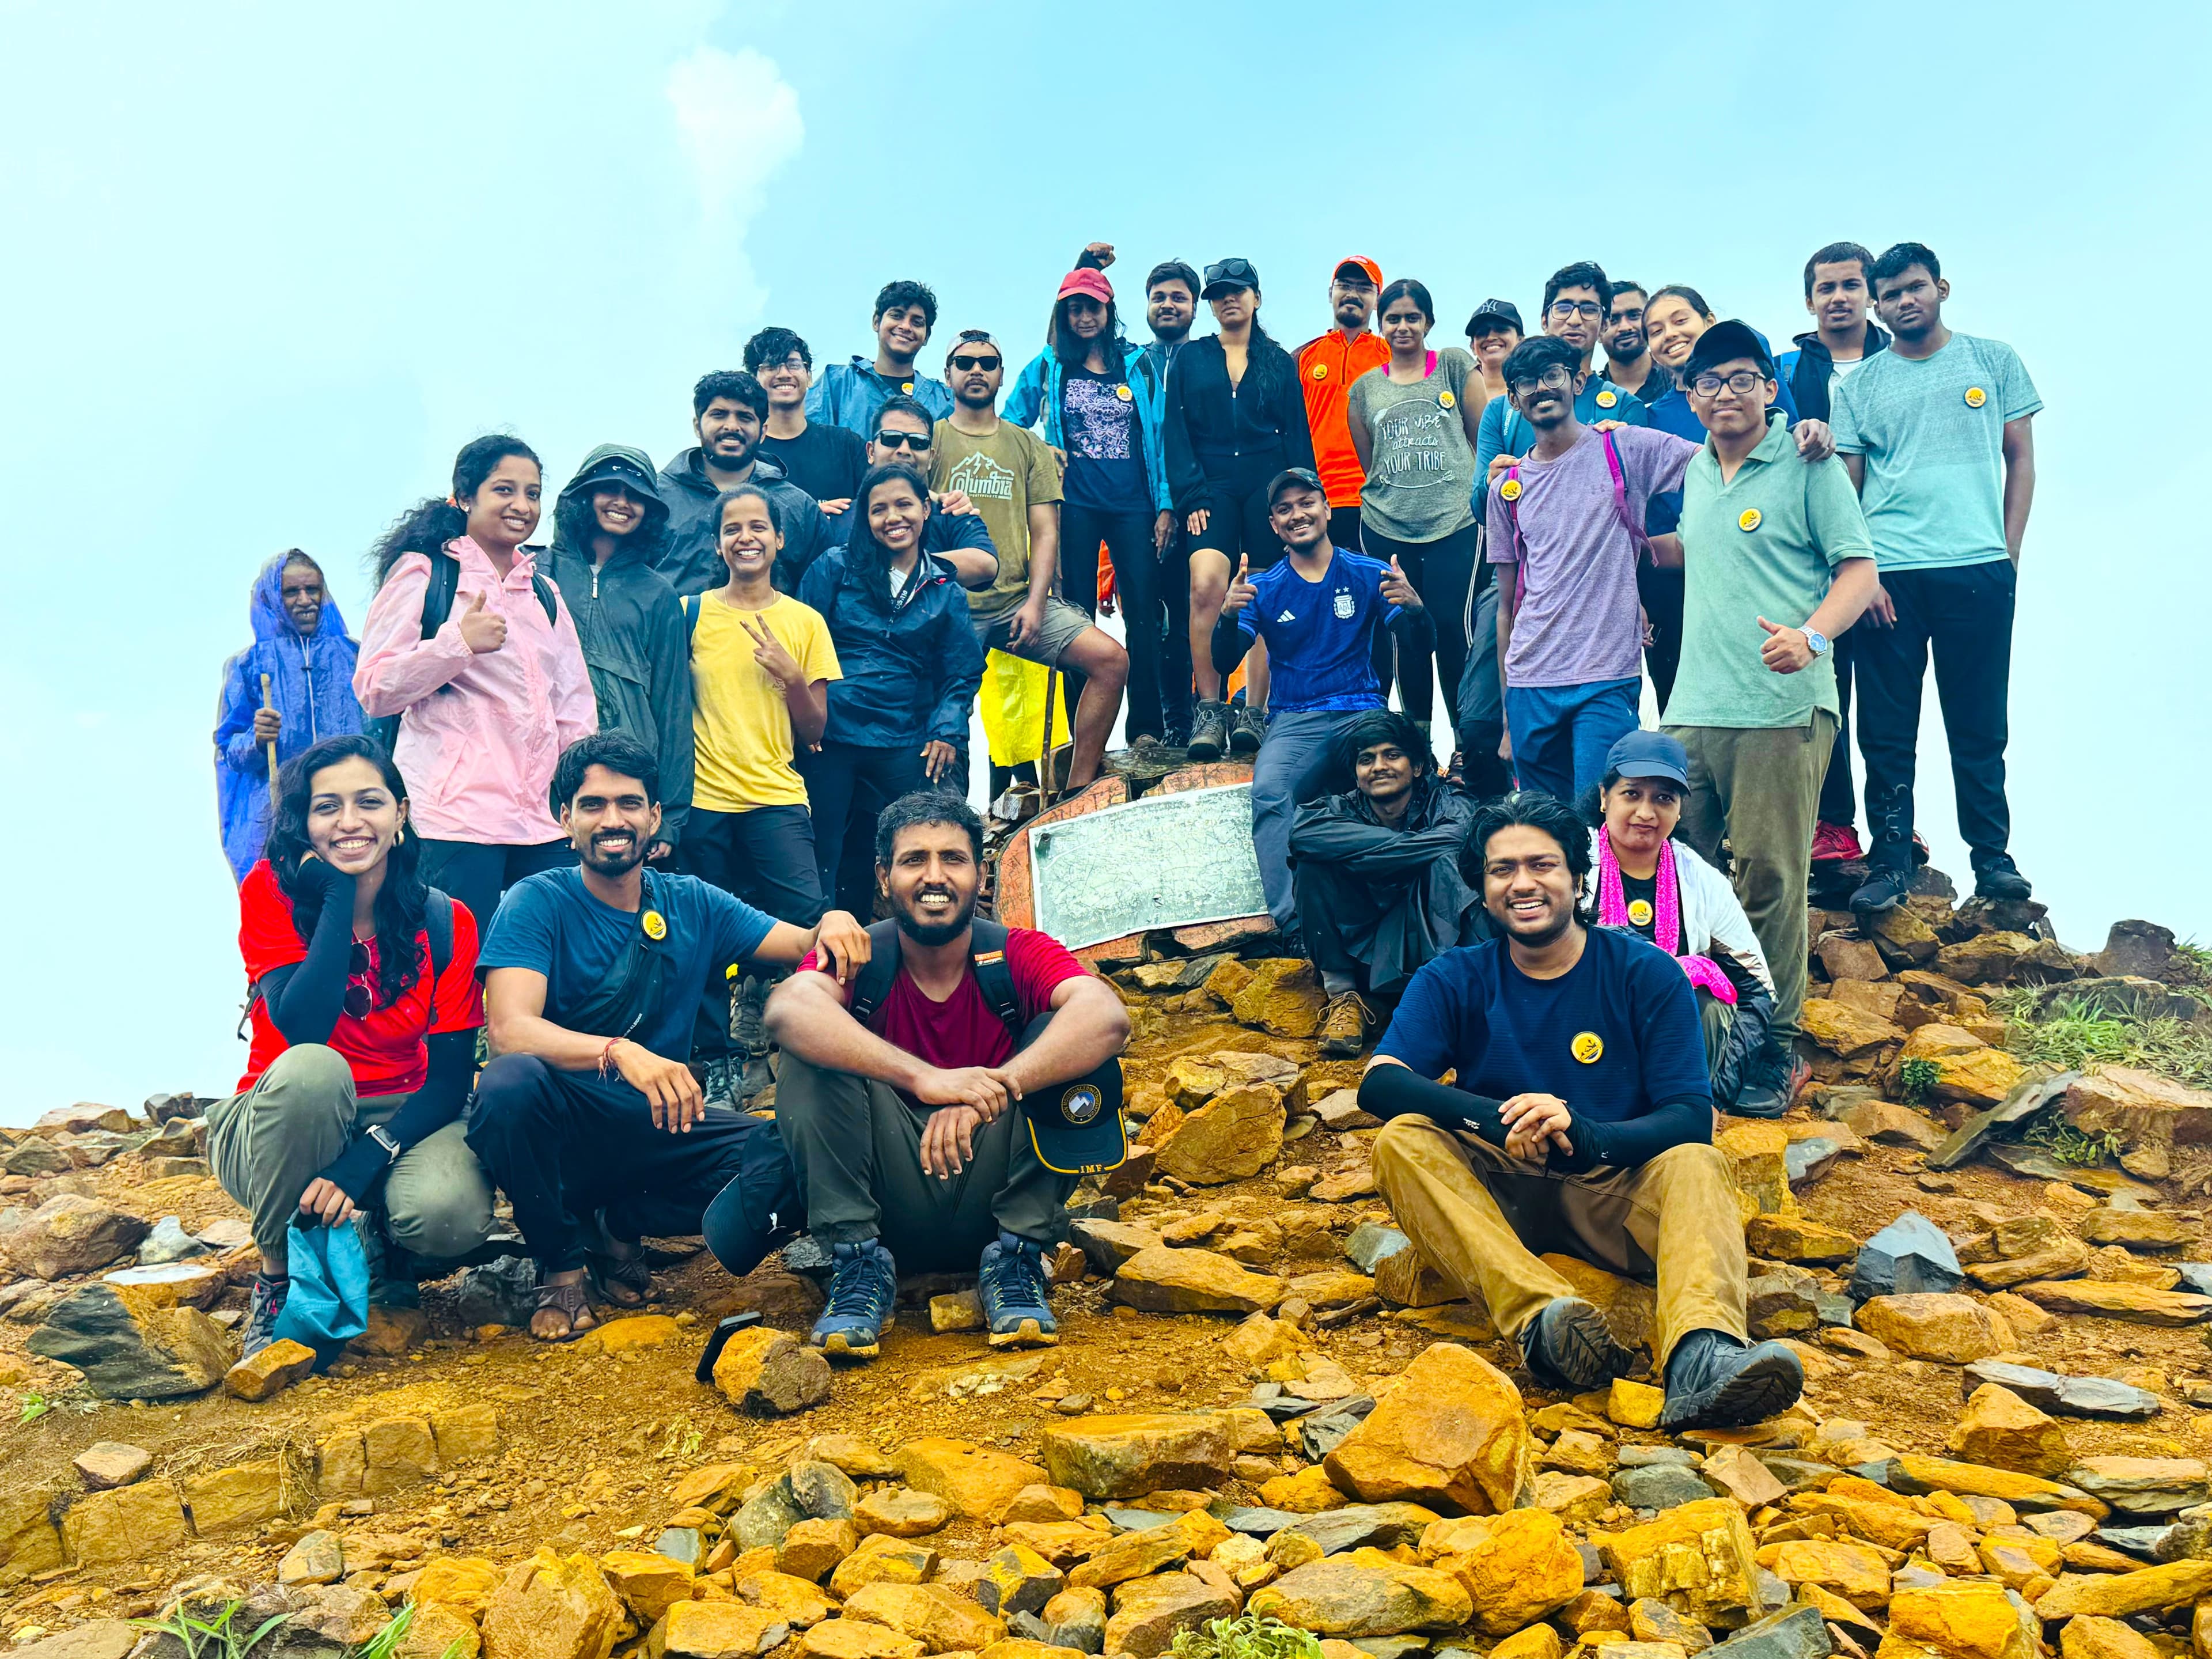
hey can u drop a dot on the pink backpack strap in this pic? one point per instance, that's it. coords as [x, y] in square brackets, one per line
[1636, 535]
[1431, 368]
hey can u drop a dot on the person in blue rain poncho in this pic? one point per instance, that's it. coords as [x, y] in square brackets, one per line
[299, 642]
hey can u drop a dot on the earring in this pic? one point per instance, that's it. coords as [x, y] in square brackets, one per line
[399, 835]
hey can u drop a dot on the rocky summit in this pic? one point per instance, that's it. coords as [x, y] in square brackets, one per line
[1265, 1404]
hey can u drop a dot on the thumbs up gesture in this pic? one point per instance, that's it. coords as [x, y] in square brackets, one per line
[1399, 589]
[1786, 649]
[1241, 592]
[482, 630]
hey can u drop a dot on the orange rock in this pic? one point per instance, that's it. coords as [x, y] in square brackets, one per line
[1450, 1434]
[1999, 1428]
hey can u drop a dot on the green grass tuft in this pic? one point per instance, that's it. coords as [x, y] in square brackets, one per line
[1249, 1636]
[2071, 1037]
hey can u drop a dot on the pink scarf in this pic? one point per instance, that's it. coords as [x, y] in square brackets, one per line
[1667, 919]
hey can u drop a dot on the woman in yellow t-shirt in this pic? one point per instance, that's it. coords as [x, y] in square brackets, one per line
[761, 667]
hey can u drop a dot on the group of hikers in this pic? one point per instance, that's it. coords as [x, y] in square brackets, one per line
[580, 835]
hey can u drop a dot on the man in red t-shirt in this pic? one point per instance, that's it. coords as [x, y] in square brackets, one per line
[905, 1131]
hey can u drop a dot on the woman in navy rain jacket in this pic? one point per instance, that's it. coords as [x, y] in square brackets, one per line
[299, 642]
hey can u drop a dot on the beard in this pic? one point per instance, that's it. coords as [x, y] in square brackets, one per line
[614, 863]
[933, 933]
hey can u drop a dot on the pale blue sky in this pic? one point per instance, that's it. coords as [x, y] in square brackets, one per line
[270, 265]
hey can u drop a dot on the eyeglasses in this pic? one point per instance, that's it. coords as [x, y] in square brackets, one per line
[916, 441]
[794, 364]
[1563, 309]
[1740, 383]
[1554, 378]
[963, 359]
[358, 996]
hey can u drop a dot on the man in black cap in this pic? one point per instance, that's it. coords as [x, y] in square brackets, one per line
[917, 1117]
[610, 532]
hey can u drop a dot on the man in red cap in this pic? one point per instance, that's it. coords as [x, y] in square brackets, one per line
[1327, 368]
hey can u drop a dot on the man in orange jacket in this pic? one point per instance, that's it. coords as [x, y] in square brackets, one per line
[1327, 368]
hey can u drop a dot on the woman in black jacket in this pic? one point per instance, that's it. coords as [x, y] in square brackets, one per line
[1235, 419]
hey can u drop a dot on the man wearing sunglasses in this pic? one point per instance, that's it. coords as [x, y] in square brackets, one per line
[1009, 473]
[955, 532]
[729, 414]
[849, 394]
[1576, 301]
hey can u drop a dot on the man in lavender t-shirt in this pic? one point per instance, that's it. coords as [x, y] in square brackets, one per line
[1570, 631]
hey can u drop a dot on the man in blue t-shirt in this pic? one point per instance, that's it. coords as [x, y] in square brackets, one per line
[1939, 434]
[1318, 610]
[1579, 1119]
[593, 977]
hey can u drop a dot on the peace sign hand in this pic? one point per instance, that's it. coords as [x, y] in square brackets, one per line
[778, 663]
[1398, 589]
[1241, 593]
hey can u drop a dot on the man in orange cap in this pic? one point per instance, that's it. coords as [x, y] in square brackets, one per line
[1327, 368]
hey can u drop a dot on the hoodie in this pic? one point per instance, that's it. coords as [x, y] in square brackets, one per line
[692, 561]
[310, 685]
[1809, 370]
[849, 394]
[630, 625]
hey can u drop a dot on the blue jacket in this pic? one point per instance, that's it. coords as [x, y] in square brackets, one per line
[1038, 391]
[912, 666]
[849, 394]
[310, 685]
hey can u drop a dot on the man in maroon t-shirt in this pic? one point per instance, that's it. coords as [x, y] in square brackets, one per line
[905, 1131]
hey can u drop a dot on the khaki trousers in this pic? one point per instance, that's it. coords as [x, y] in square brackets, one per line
[1482, 1219]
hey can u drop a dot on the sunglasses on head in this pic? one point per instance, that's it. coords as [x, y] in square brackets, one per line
[359, 997]
[967, 360]
[915, 441]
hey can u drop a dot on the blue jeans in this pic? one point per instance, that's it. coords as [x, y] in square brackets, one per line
[1561, 732]
[1293, 761]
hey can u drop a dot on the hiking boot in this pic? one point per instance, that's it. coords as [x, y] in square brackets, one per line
[260, 1327]
[394, 1280]
[1996, 877]
[1010, 1284]
[1209, 730]
[1569, 1346]
[1246, 731]
[719, 1081]
[1716, 1381]
[1836, 843]
[1344, 1025]
[863, 1284]
[749, 1017]
[1885, 889]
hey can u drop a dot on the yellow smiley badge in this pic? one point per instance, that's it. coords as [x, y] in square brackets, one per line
[1976, 397]
[655, 927]
[1607, 399]
[1447, 399]
[1747, 519]
[1586, 1047]
[906, 386]
[1321, 371]
[1123, 393]
[1510, 490]
[1639, 912]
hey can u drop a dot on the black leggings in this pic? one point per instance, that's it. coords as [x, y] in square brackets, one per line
[1237, 518]
[1442, 572]
[1128, 537]
[478, 872]
[847, 786]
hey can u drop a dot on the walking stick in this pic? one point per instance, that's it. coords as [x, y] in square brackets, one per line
[1047, 774]
[271, 746]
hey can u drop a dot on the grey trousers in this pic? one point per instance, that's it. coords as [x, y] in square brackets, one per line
[1298, 744]
[267, 1144]
[857, 1148]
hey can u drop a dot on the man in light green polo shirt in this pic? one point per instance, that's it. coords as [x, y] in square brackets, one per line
[1778, 563]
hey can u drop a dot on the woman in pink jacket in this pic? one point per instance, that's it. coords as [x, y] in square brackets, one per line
[487, 698]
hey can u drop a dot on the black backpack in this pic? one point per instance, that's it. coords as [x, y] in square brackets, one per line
[437, 607]
[987, 953]
[437, 922]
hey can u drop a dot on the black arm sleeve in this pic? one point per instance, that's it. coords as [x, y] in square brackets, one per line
[305, 999]
[1391, 1091]
[1684, 1121]
[1230, 641]
[358, 1170]
[1415, 628]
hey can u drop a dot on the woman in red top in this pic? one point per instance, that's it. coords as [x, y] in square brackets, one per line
[365, 1012]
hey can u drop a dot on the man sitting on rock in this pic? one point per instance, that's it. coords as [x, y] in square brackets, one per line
[1579, 1119]
[1376, 873]
[898, 1092]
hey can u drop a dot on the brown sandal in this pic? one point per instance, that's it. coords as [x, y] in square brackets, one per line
[613, 1275]
[572, 1301]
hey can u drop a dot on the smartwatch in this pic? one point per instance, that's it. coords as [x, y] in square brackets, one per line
[1818, 643]
[392, 1148]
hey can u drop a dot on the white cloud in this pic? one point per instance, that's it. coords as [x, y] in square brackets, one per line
[740, 123]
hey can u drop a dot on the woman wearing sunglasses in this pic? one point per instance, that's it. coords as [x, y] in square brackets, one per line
[365, 1010]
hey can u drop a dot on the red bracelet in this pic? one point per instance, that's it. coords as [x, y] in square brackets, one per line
[607, 1056]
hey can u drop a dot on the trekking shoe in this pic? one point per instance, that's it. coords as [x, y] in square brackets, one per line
[719, 1083]
[1344, 1025]
[1716, 1381]
[1010, 1284]
[1209, 730]
[1996, 877]
[1884, 889]
[260, 1327]
[749, 1017]
[863, 1284]
[394, 1280]
[1836, 843]
[1569, 1346]
[1246, 731]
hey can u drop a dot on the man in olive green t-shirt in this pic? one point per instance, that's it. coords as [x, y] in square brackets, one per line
[1010, 476]
[1777, 561]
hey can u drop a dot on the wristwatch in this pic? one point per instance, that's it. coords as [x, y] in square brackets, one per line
[392, 1148]
[1817, 643]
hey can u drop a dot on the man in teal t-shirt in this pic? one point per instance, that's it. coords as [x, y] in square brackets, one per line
[1938, 433]
[1777, 563]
